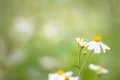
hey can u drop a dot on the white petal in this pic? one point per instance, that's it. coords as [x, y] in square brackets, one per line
[97, 48]
[92, 67]
[68, 73]
[50, 77]
[104, 71]
[77, 39]
[104, 47]
[91, 45]
[73, 78]
[85, 44]
[61, 78]
[53, 76]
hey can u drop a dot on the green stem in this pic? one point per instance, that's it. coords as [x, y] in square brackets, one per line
[79, 56]
[85, 61]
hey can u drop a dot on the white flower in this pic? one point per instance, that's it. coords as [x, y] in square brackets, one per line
[98, 69]
[68, 78]
[81, 42]
[96, 45]
[59, 75]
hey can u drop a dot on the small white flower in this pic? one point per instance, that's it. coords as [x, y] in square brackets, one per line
[96, 45]
[59, 75]
[98, 69]
[68, 78]
[81, 42]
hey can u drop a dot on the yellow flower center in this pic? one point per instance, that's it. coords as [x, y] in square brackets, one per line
[60, 72]
[96, 38]
[67, 77]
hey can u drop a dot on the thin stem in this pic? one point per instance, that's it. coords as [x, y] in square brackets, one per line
[79, 56]
[85, 61]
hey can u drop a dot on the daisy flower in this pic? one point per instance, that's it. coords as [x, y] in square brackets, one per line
[68, 78]
[96, 45]
[98, 69]
[59, 74]
[81, 42]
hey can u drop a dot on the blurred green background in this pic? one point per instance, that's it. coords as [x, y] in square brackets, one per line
[37, 37]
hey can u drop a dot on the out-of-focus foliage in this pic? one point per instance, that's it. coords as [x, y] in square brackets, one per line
[37, 36]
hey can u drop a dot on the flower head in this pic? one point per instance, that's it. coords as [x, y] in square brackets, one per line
[81, 42]
[59, 75]
[96, 45]
[98, 69]
[68, 78]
